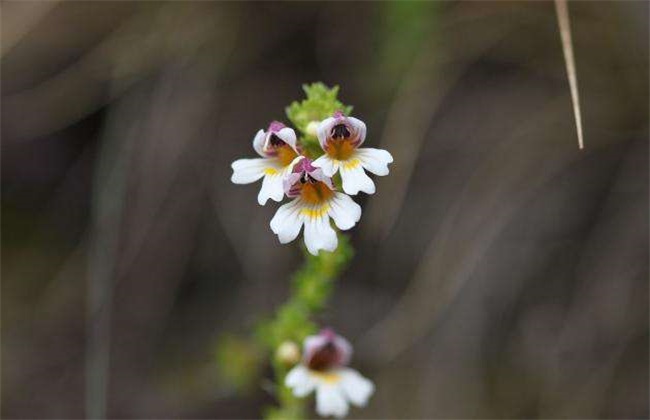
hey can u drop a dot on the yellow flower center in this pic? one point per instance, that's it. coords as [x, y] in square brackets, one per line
[328, 377]
[339, 149]
[285, 154]
[351, 164]
[317, 212]
[315, 193]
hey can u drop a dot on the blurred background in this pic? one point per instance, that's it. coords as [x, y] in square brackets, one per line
[502, 272]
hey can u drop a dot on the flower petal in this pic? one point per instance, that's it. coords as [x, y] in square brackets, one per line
[271, 188]
[345, 212]
[345, 348]
[300, 381]
[324, 129]
[330, 401]
[288, 136]
[319, 233]
[293, 163]
[355, 387]
[360, 127]
[287, 221]
[319, 175]
[374, 160]
[246, 171]
[258, 143]
[327, 165]
[311, 344]
[355, 179]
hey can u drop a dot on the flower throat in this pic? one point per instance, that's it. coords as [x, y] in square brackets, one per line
[315, 192]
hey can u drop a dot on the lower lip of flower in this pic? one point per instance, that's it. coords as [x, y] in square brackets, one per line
[340, 149]
[315, 193]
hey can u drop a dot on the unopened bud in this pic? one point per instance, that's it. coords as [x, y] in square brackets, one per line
[312, 128]
[288, 353]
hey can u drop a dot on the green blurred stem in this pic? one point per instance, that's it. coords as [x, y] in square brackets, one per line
[109, 195]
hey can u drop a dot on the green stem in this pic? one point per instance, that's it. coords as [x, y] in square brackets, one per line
[312, 285]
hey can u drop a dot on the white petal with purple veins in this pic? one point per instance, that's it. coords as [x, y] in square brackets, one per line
[288, 136]
[324, 129]
[258, 143]
[360, 127]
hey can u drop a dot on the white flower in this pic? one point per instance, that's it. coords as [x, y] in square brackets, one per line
[340, 138]
[279, 152]
[315, 201]
[324, 371]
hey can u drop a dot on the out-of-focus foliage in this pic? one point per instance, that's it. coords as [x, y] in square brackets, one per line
[239, 361]
[499, 272]
[400, 42]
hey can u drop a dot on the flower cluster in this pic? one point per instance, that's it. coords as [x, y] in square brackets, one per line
[287, 170]
[323, 369]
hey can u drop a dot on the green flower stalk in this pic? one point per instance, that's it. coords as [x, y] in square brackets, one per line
[312, 285]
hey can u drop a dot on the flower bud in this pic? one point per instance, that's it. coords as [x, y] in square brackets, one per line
[288, 353]
[312, 128]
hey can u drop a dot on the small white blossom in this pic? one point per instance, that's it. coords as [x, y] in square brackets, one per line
[315, 201]
[324, 370]
[279, 152]
[340, 138]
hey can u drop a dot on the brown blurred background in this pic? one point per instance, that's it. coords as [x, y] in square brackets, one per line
[500, 272]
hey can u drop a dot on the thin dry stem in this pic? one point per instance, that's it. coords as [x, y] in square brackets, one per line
[562, 12]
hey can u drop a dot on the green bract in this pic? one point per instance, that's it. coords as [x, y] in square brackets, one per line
[321, 103]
